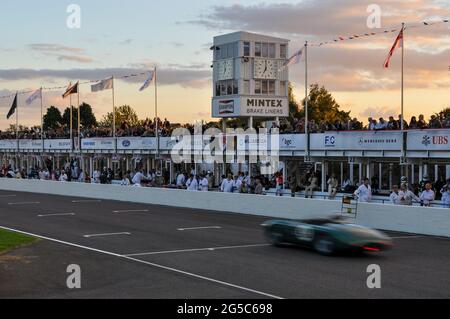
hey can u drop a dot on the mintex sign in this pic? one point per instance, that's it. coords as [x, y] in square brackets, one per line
[251, 107]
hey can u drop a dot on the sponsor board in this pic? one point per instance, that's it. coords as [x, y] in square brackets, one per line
[98, 144]
[136, 143]
[251, 106]
[360, 141]
[432, 140]
[60, 145]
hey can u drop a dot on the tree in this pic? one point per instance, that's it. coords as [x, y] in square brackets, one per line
[87, 116]
[446, 111]
[124, 113]
[52, 119]
[323, 107]
[294, 109]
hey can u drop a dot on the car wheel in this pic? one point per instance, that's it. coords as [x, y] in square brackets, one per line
[275, 237]
[325, 245]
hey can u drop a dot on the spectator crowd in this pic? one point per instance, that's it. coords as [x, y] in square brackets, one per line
[147, 128]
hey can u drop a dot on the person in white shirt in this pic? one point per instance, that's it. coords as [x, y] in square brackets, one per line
[406, 197]
[428, 195]
[204, 184]
[192, 184]
[364, 192]
[227, 185]
[332, 187]
[125, 181]
[237, 183]
[138, 178]
[82, 177]
[181, 180]
[446, 197]
[96, 176]
[63, 177]
[395, 196]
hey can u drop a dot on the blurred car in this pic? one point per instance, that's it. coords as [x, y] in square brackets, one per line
[327, 236]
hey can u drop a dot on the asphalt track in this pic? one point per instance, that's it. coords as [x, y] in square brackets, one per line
[128, 250]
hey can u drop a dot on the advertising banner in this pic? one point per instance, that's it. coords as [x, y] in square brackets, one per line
[430, 140]
[60, 145]
[357, 141]
[97, 144]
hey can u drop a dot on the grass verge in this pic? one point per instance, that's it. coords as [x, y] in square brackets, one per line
[10, 240]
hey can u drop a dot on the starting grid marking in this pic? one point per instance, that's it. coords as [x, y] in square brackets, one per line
[24, 203]
[55, 215]
[199, 228]
[154, 265]
[87, 201]
[107, 234]
[197, 250]
[131, 211]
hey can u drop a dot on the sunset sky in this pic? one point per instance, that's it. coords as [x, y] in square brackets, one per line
[118, 38]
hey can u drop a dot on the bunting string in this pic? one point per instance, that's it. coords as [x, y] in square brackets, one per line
[370, 34]
[313, 44]
[57, 88]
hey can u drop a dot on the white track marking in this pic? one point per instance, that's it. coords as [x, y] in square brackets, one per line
[131, 211]
[147, 263]
[24, 203]
[87, 201]
[55, 215]
[195, 250]
[408, 237]
[200, 228]
[108, 234]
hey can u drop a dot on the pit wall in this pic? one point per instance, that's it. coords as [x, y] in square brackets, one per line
[417, 220]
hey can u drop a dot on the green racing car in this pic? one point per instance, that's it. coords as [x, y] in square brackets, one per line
[327, 236]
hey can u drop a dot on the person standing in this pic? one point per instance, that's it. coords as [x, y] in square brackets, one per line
[406, 197]
[395, 196]
[445, 197]
[279, 184]
[293, 184]
[204, 184]
[364, 192]
[259, 190]
[428, 195]
[192, 184]
[227, 185]
[313, 183]
[332, 187]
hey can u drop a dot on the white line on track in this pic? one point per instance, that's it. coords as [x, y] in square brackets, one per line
[200, 228]
[408, 237]
[24, 203]
[87, 201]
[7, 196]
[108, 234]
[195, 250]
[131, 211]
[55, 215]
[146, 263]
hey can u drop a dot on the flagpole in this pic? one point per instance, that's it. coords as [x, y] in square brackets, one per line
[42, 121]
[156, 114]
[17, 123]
[403, 78]
[308, 146]
[79, 120]
[114, 114]
[71, 121]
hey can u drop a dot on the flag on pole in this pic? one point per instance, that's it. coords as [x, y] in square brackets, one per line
[13, 108]
[103, 85]
[149, 81]
[72, 89]
[36, 95]
[295, 59]
[397, 45]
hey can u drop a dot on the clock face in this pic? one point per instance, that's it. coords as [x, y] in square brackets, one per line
[265, 69]
[226, 70]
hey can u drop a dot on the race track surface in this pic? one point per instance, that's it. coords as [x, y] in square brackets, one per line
[128, 250]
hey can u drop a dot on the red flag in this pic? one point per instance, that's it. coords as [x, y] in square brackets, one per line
[397, 44]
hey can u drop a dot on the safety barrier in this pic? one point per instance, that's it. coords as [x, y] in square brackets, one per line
[418, 220]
